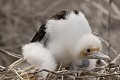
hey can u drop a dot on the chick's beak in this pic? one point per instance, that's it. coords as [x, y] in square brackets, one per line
[99, 56]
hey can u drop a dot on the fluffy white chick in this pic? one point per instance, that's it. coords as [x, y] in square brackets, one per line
[40, 57]
[69, 37]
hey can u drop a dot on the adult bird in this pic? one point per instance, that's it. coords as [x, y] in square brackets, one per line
[69, 37]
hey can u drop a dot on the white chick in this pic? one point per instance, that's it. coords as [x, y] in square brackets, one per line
[69, 37]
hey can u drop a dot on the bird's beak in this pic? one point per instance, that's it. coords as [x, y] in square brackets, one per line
[99, 56]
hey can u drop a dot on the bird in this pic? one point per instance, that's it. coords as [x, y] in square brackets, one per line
[39, 57]
[68, 36]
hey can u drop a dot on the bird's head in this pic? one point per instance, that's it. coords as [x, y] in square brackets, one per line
[89, 46]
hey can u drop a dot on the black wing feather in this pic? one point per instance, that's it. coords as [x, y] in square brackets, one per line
[40, 34]
[60, 15]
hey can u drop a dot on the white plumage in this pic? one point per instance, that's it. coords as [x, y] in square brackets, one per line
[67, 37]
[40, 57]
[64, 35]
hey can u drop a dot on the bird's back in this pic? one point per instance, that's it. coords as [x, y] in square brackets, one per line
[68, 31]
[62, 32]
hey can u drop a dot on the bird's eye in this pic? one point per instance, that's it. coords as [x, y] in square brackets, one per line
[88, 50]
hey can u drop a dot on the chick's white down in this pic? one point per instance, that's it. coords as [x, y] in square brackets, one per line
[40, 57]
[64, 36]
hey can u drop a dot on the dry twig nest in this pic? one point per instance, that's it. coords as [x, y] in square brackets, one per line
[13, 72]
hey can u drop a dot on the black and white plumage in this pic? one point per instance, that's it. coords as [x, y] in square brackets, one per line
[68, 37]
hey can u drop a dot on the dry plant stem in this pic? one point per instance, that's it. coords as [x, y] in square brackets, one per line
[3, 76]
[55, 76]
[116, 53]
[10, 53]
[60, 67]
[2, 67]
[104, 75]
[105, 11]
[26, 69]
[114, 60]
[48, 76]
[27, 76]
[62, 78]
[115, 8]
[65, 73]
[8, 78]
[57, 73]
[16, 63]
[10, 68]
[90, 74]
[109, 27]
[17, 74]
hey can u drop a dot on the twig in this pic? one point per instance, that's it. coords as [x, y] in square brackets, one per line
[26, 69]
[104, 10]
[19, 61]
[10, 53]
[60, 67]
[114, 60]
[62, 78]
[116, 53]
[17, 74]
[109, 27]
[2, 67]
[115, 8]
[3, 76]
[85, 73]
[104, 75]
[58, 73]
[10, 68]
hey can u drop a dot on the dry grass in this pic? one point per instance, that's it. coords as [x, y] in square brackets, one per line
[109, 72]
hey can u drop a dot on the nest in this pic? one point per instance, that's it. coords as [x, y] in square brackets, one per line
[13, 72]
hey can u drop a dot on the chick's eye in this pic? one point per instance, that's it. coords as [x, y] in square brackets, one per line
[88, 50]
